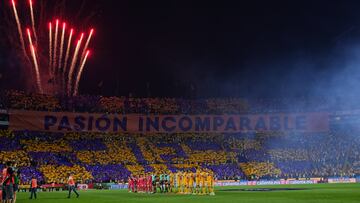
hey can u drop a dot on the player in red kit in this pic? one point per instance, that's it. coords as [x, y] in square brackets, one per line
[141, 184]
[149, 184]
[144, 183]
[136, 183]
[131, 185]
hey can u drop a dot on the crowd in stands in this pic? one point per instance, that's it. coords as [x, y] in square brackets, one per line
[59, 174]
[103, 157]
[260, 169]
[21, 100]
[95, 157]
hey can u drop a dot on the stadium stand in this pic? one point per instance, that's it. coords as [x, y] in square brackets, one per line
[103, 157]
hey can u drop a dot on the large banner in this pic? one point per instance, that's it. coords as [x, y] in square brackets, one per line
[133, 123]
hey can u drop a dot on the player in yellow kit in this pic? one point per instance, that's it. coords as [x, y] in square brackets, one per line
[186, 181]
[174, 184]
[198, 181]
[203, 180]
[171, 182]
[210, 183]
[183, 183]
[191, 182]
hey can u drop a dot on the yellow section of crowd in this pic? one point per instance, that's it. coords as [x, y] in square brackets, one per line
[22, 100]
[117, 153]
[21, 158]
[120, 152]
[185, 166]
[135, 169]
[155, 105]
[112, 104]
[59, 174]
[162, 105]
[6, 133]
[43, 146]
[19, 100]
[208, 156]
[259, 169]
[160, 168]
[94, 157]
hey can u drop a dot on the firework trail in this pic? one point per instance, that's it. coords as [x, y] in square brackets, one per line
[38, 79]
[29, 36]
[55, 47]
[73, 63]
[80, 73]
[50, 48]
[68, 50]
[67, 56]
[36, 65]
[62, 45]
[33, 20]
[87, 44]
[19, 29]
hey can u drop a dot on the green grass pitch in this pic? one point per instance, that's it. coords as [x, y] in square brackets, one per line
[326, 193]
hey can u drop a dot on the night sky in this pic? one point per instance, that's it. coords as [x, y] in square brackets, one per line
[218, 49]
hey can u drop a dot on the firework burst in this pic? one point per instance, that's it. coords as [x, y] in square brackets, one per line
[61, 52]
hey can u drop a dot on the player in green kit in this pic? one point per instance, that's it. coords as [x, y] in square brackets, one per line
[153, 179]
[162, 182]
[167, 182]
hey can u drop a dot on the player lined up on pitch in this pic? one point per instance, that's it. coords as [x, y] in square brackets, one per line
[199, 183]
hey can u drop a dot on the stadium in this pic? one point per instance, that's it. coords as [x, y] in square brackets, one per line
[286, 161]
[174, 101]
